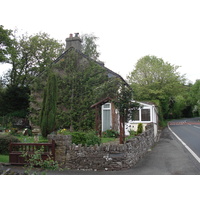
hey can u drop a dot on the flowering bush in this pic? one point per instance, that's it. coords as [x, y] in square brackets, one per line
[62, 131]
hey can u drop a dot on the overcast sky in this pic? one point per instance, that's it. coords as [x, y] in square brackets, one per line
[127, 29]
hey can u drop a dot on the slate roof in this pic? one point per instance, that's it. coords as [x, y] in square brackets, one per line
[110, 72]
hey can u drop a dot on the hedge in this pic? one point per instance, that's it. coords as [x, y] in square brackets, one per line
[5, 141]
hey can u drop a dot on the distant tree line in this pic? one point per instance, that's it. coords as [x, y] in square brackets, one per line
[158, 81]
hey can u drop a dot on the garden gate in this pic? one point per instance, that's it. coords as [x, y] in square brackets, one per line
[16, 151]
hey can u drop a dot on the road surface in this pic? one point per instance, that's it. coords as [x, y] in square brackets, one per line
[188, 132]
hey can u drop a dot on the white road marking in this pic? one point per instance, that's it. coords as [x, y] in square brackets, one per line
[197, 127]
[188, 148]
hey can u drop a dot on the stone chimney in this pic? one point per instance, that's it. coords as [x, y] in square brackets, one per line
[74, 41]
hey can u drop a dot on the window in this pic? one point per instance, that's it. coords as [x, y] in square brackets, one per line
[107, 105]
[145, 114]
[136, 115]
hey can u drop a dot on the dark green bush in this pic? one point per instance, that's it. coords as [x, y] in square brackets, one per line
[5, 141]
[92, 139]
[84, 138]
[110, 133]
[78, 138]
[139, 128]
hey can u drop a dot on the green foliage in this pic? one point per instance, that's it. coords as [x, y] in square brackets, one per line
[92, 139]
[78, 138]
[78, 88]
[124, 102]
[110, 134]
[195, 97]
[48, 113]
[89, 46]
[132, 134]
[81, 83]
[15, 101]
[35, 160]
[5, 44]
[84, 138]
[139, 128]
[4, 158]
[31, 139]
[154, 79]
[106, 140]
[5, 141]
[30, 56]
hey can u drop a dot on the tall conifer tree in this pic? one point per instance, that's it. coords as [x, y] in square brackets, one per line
[48, 113]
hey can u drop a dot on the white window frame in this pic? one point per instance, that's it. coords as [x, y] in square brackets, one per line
[140, 115]
[102, 109]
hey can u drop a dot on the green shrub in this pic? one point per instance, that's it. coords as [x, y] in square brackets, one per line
[139, 128]
[5, 141]
[35, 160]
[92, 139]
[78, 138]
[110, 133]
[83, 138]
[132, 133]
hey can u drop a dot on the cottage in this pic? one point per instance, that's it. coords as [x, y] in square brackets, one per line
[82, 81]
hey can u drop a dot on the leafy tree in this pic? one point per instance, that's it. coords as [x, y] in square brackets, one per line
[15, 101]
[195, 97]
[5, 44]
[31, 55]
[48, 113]
[154, 79]
[126, 107]
[89, 46]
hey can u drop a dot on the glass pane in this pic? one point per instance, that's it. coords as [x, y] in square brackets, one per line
[136, 115]
[145, 114]
[106, 120]
[107, 105]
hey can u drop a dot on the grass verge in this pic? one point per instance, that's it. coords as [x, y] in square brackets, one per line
[4, 158]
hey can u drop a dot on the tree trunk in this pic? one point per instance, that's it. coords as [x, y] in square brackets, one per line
[122, 133]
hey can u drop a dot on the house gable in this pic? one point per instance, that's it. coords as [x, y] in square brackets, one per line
[79, 86]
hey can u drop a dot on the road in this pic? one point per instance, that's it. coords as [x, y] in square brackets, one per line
[188, 132]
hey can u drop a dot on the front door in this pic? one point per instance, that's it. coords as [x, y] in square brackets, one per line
[106, 117]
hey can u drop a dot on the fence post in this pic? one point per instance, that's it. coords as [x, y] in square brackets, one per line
[53, 149]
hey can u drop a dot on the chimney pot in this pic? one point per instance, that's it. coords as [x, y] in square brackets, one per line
[74, 41]
[76, 34]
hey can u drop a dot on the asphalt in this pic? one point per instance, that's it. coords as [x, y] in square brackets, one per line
[167, 157]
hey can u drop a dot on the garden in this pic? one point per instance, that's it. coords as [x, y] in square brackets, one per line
[27, 136]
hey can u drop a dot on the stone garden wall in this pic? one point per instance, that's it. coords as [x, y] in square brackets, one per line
[104, 156]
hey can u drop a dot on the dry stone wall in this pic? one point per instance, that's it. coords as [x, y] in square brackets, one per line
[104, 156]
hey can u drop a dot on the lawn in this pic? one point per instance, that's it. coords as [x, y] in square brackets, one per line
[30, 139]
[4, 158]
[105, 140]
